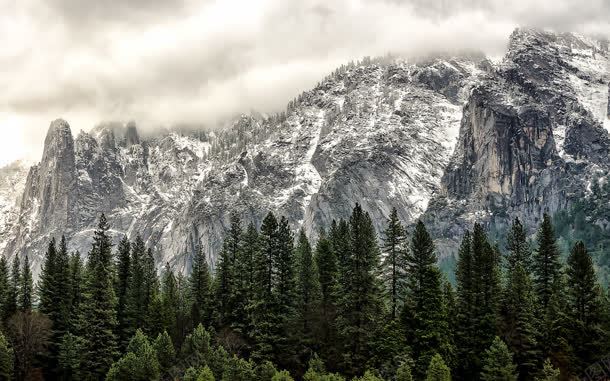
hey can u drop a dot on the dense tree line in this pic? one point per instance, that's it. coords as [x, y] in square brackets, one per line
[344, 308]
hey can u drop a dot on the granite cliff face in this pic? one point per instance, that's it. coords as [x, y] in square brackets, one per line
[447, 139]
[534, 135]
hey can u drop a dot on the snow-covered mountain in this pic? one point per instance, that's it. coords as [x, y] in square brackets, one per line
[447, 139]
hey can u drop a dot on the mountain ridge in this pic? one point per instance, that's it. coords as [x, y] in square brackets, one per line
[449, 140]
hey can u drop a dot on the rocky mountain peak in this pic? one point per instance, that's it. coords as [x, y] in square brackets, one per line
[131, 135]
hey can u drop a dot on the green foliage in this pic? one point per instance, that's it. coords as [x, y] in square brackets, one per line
[227, 281]
[369, 376]
[282, 376]
[139, 364]
[403, 373]
[478, 291]
[498, 363]
[427, 320]
[98, 316]
[70, 356]
[360, 303]
[546, 264]
[549, 372]
[394, 263]
[196, 347]
[26, 286]
[206, 375]
[308, 288]
[122, 288]
[438, 370]
[6, 359]
[586, 316]
[237, 369]
[200, 283]
[166, 353]
[265, 371]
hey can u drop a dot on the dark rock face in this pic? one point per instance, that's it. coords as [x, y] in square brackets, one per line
[529, 142]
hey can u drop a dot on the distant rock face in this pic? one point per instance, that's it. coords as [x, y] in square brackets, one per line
[449, 140]
[532, 137]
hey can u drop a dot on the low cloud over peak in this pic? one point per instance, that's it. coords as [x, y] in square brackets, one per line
[181, 61]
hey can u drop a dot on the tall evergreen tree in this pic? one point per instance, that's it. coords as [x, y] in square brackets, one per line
[328, 274]
[200, 284]
[123, 269]
[47, 287]
[428, 322]
[498, 363]
[226, 287]
[520, 322]
[394, 263]
[7, 359]
[308, 290]
[360, 304]
[136, 307]
[478, 301]
[170, 302]
[5, 282]
[587, 336]
[12, 298]
[546, 264]
[245, 278]
[264, 321]
[56, 299]
[76, 290]
[519, 250]
[26, 287]
[286, 296]
[438, 370]
[98, 319]
[150, 292]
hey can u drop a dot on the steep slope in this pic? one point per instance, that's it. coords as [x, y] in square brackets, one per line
[447, 139]
[532, 138]
[12, 183]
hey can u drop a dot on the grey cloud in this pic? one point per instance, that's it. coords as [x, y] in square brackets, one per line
[187, 61]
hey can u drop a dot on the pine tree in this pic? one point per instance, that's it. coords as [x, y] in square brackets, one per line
[518, 248]
[200, 284]
[498, 363]
[394, 263]
[404, 372]
[264, 300]
[428, 322]
[549, 373]
[308, 290]
[196, 347]
[326, 264]
[520, 321]
[245, 279]
[286, 296]
[56, 298]
[47, 289]
[26, 286]
[478, 294]
[166, 353]
[169, 302]
[226, 292]
[6, 359]
[123, 270]
[136, 303]
[238, 369]
[98, 319]
[70, 357]
[438, 370]
[360, 304]
[585, 309]
[76, 294]
[546, 264]
[11, 303]
[4, 287]
[150, 293]
[139, 364]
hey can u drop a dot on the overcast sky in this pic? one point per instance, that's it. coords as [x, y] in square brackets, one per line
[180, 61]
